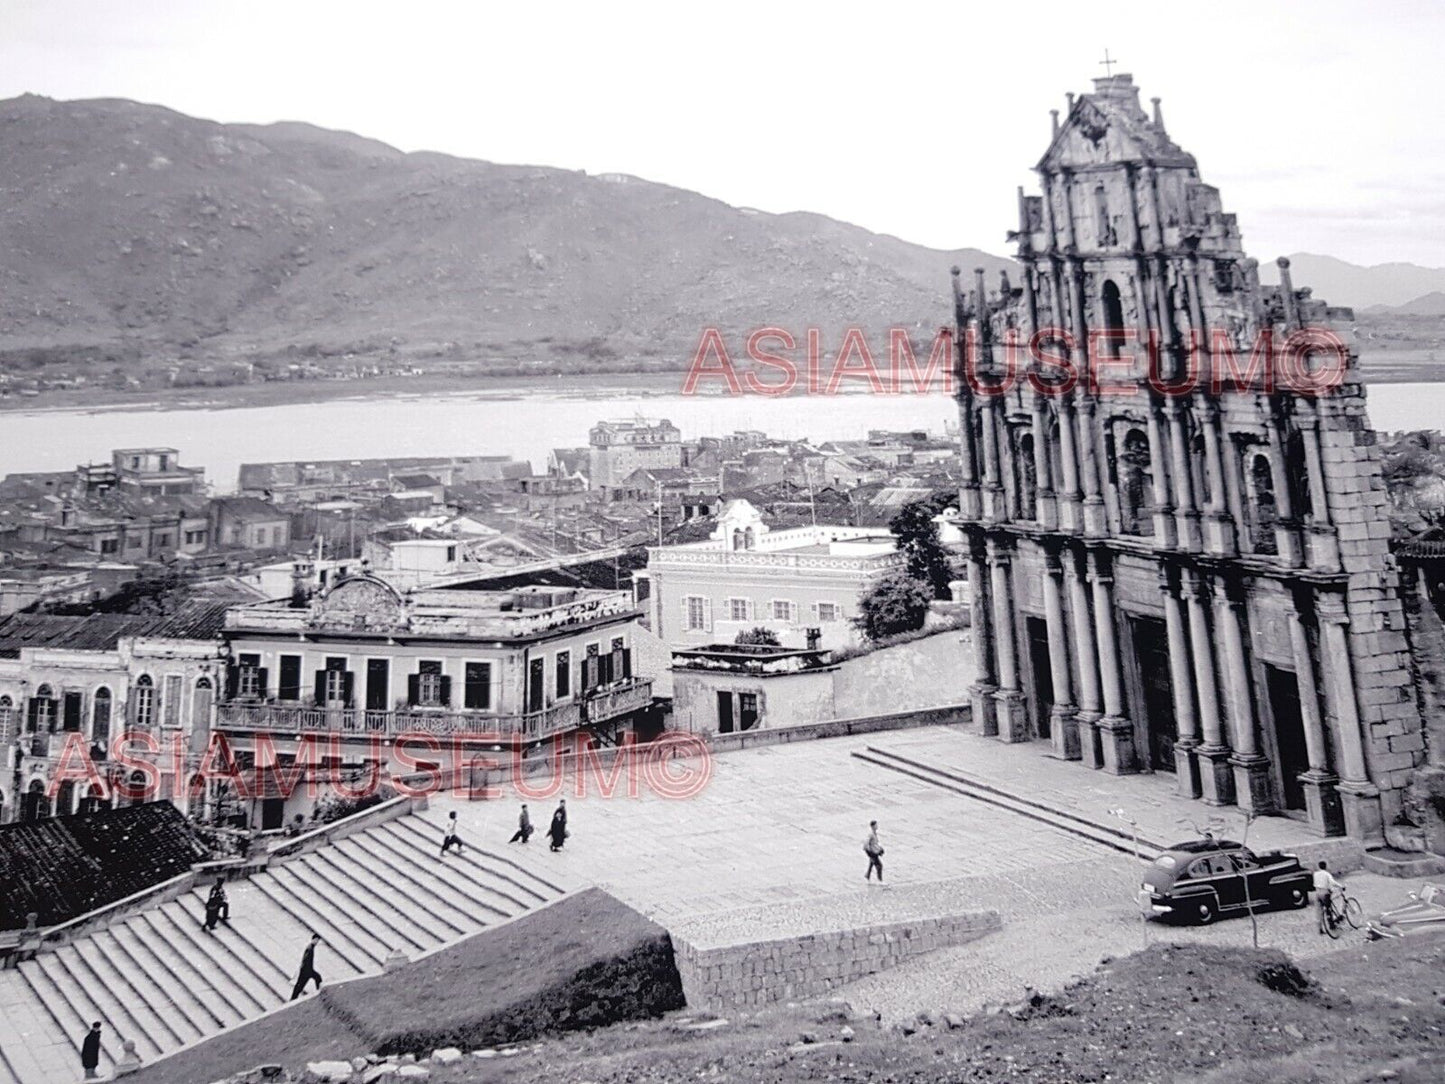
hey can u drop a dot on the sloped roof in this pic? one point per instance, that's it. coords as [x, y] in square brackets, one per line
[1115, 104]
[198, 619]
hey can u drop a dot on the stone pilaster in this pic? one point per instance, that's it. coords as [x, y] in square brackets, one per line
[1216, 781]
[1063, 727]
[981, 692]
[1251, 770]
[1011, 711]
[1359, 797]
[1219, 525]
[1186, 514]
[1116, 732]
[1322, 801]
[1186, 770]
[1086, 657]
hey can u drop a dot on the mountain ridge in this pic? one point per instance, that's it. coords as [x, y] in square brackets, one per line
[133, 229]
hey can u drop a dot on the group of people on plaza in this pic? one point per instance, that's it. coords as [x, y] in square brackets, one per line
[557, 832]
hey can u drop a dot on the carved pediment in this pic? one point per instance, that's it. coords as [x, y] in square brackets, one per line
[360, 603]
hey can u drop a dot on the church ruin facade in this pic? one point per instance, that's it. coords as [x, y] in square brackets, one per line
[1174, 572]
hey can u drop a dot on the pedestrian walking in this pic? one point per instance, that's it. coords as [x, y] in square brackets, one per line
[451, 839]
[558, 830]
[218, 907]
[874, 850]
[524, 828]
[308, 968]
[90, 1052]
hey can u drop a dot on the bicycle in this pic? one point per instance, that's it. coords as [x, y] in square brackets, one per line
[1341, 908]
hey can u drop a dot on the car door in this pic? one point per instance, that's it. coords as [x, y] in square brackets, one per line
[1258, 873]
[1228, 880]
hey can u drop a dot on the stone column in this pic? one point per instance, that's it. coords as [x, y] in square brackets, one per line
[1359, 798]
[1286, 529]
[1046, 513]
[1085, 655]
[1216, 782]
[1116, 732]
[1182, 682]
[1063, 729]
[1234, 493]
[1218, 523]
[1088, 447]
[980, 693]
[993, 495]
[1322, 540]
[1186, 512]
[1322, 802]
[1070, 514]
[1159, 468]
[1011, 714]
[1251, 770]
[970, 503]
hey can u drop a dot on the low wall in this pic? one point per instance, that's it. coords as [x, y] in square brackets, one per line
[494, 775]
[812, 965]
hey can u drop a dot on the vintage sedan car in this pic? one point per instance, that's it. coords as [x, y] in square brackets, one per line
[1205, 879]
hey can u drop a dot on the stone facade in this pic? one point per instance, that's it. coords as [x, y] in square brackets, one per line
[1177, 565]
[758, 973]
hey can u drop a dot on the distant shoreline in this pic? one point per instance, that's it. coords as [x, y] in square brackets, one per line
[1380, 369]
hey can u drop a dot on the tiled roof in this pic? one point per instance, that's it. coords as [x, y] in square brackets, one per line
[200, 619]
[65, 866]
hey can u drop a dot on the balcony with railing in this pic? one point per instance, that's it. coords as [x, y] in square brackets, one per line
[600, 705]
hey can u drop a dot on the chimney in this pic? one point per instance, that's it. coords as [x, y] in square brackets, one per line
[300, 583]
[814, 637]
[960, 306]
[1070, 97]
[1054, 114]
[1158, 114]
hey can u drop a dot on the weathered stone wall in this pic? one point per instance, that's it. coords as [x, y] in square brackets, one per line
[922, 673]
[810, 965]
[1380, 654]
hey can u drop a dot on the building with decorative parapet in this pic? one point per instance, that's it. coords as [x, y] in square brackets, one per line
[801, 583]
[1180, 564]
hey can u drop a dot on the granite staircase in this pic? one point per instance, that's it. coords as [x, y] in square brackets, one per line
[157, 978]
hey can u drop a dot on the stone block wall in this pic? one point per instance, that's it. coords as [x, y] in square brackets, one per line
[1385, 693]
[731, 977]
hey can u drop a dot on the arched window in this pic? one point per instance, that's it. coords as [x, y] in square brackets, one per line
[737, 538]
[1263, 509]
[41, 719]
[143, 711]
[749, 539]
[65, 799]
[7, 717]
[100, 718]
[136, 790]
[1113, 319]
[1028, 481]
[1296, 469]
[1136, 485]
[34, 805]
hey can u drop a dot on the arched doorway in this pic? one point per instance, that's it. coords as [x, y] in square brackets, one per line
[100, 719]
[34, 805]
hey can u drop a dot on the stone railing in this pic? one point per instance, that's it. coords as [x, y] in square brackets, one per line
[607, 703]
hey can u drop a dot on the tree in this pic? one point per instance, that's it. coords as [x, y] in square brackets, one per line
[761, 636]
[898, 602]
[917, 535]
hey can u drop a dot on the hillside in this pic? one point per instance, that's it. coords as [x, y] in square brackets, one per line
[144, 234]
[1342, 283]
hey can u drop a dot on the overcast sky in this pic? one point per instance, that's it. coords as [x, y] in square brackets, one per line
[1319, 121]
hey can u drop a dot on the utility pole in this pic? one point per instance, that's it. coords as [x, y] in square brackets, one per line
[1134, 833]
[659, 512]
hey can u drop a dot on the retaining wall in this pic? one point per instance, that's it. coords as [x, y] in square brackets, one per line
[748, 975]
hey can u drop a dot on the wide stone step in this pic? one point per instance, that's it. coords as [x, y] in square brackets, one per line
[222, 957]
[484, 860]
[167, 1018]
[416, 891]
[488, 883]
[305, 903]
[71, 1009]
[457, 893]
[356, 898]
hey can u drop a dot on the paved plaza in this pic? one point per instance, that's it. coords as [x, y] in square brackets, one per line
[773, 847]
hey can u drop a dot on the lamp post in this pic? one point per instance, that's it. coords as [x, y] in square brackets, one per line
[1134, 835]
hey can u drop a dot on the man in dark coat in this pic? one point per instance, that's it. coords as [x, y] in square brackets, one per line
[558, 830]
[90, 1052]
[308, 968]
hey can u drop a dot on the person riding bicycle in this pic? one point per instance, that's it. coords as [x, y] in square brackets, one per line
[1326, 885]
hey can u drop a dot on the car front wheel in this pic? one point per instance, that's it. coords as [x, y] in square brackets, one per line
[1205, 912]
[1295, 898]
